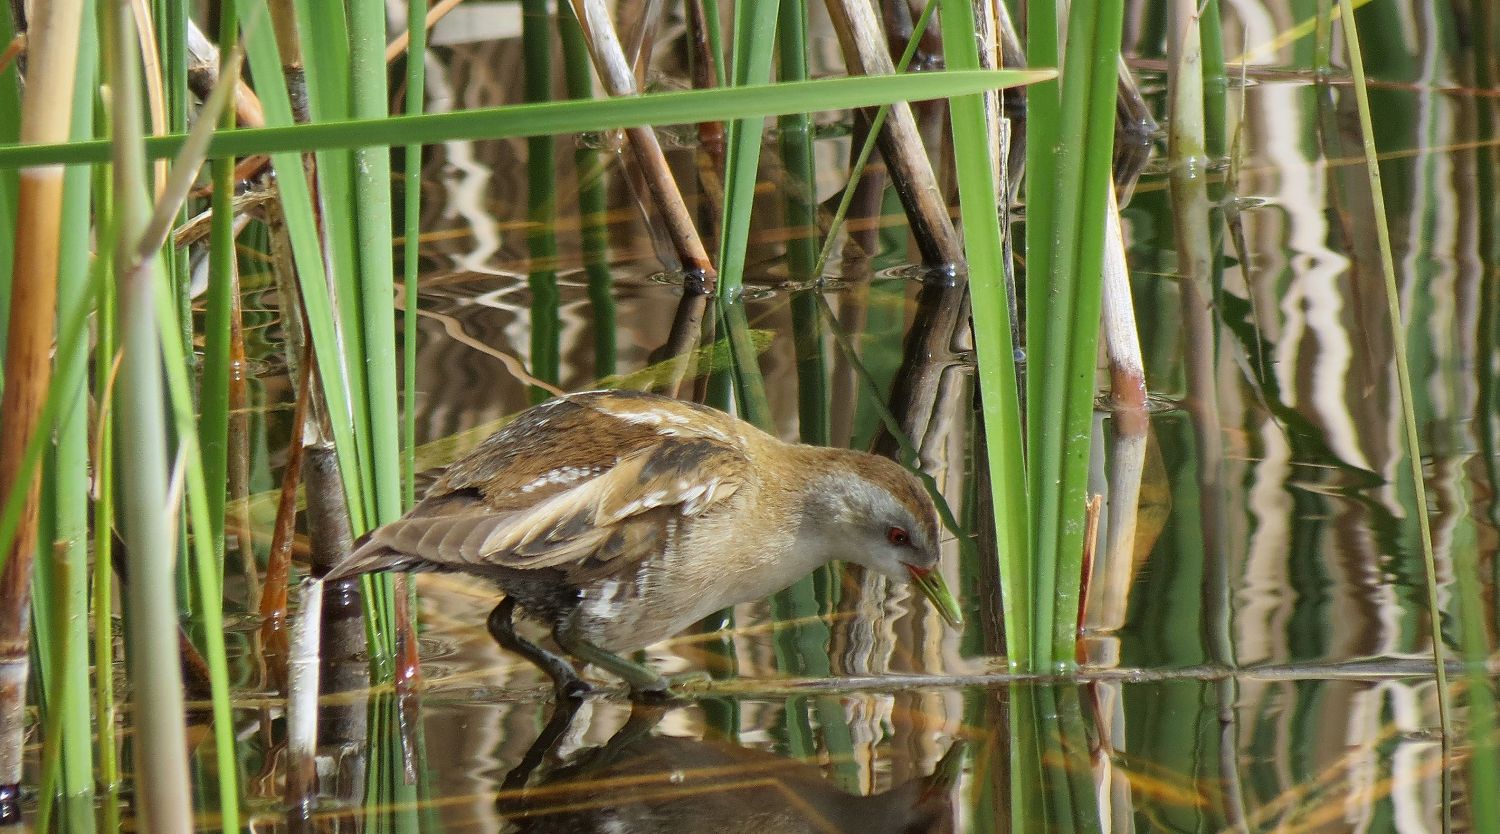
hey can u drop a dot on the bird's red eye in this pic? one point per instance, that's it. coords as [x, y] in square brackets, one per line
[898, 537]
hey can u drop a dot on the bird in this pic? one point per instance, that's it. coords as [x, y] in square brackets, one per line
[618, 518]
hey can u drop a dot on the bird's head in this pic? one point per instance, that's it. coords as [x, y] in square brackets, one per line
[870, 510]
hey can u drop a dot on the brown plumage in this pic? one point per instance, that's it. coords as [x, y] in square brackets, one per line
[619, 518]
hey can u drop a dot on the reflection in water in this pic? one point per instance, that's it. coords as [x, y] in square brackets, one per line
[643, 781]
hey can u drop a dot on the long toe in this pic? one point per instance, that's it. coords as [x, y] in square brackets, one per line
[573, 690]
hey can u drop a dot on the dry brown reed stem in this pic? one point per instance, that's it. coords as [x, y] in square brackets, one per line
[436, 12]
[1091, 513]
[12, 51]
[156, 94]
[705, 77]
[619, 80]
[686, 334]
[327, 514]
[940, 314]
[203, 74]
[273, 600]
[408, 662]
[46, 108]
[710, 154]
[865, 53]
[289, 49]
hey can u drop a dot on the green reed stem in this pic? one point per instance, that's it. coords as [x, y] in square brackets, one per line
[1410, 437]
[1063, 321]
[213, 394]
[171, 23]
[160, 743]
[997, 372]
[590, 166]
[802, 649]
[372, 179]
[1215, 83]
[105, 346]
[519, 120]
[71, 470]
[367, 301]
[754, 46]
[416, 81]
[10, 133]
[328, 84]
[541, 205]
[715, 29]
[307, 253]
[207, 562]
[56, 652]
[206, 548]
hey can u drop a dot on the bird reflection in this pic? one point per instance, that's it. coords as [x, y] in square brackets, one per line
[642, 782]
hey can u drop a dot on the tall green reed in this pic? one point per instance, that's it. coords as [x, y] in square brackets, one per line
[141, 422]
[1410, 437]
[416, 79]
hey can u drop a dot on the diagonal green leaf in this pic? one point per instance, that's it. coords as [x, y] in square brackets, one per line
[519, 120]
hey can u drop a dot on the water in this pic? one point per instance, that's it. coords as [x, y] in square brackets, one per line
[1259, 661]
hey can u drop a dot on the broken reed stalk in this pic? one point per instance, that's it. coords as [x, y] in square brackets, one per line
[1109, 576]
[302, 700]
[619, 80]
[1122, 341]
[273, 601]
[46, 110]
[865, 53]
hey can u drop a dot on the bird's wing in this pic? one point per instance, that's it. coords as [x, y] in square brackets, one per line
[608, 520]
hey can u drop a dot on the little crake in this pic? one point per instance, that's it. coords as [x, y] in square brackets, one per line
[620, 518]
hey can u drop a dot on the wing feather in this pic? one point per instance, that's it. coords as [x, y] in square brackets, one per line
[618, 516]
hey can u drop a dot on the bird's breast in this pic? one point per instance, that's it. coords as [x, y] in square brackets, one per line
[706, 568]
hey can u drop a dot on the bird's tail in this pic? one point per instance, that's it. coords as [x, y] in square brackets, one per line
[370, 556]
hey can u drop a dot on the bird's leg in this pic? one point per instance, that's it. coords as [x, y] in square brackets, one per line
[644, 682]
[502, 628]
[558, 724]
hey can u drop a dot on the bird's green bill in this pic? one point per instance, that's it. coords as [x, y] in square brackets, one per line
[936, 590]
